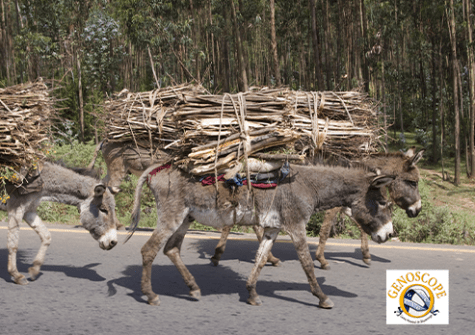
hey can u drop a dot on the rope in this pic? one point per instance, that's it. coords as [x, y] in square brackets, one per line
[344, 105]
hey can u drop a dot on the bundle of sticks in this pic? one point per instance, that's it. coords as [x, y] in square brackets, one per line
[205, 131]
[25, 118]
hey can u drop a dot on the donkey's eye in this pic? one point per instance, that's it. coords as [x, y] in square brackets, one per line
[412, 183]
[103, 209]
[383, 203]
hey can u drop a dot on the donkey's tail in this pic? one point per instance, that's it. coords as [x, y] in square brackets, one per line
[94, 157]
[137, 198]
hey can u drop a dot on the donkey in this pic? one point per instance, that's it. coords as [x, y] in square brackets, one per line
[288, 207]
[121, 159]
[95, 202]
[403, 191]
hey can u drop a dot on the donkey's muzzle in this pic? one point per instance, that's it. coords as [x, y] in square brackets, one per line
[108, 240]
[414, 210]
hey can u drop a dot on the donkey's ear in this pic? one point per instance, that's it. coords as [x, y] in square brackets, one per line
[381, 181]
[417, 157]
[115, 189]
[410, 152]
[99, 190]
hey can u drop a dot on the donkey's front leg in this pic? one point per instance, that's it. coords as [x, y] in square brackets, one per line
[172, 250]
[149, 252]
[365, 246]
[300, 242]
[270, 258]
[14, 219]
[328, 222]
[270, 234]
[39, 227]
[221, 246]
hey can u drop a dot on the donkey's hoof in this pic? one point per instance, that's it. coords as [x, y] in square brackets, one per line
[195, 294]
[367, 261]
[276, 262]
[327, 303]
[255, 301]
[33, 272]
[215, 261]
[154, 301]
[325, 266]
[20, 280]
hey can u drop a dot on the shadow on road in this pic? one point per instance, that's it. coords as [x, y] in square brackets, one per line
[167, 281]
[23, 263]
[212, 280]
[245, 251]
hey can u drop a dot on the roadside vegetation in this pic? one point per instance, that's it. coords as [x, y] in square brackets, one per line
[446, 216]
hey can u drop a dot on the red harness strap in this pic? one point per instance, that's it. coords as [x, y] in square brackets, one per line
[157, 170]
[261, 185]
[211, 180]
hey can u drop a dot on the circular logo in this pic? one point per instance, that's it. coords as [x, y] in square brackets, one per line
[417, 301]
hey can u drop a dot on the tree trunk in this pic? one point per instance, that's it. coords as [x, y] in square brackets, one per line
[434, 103]
[441, 109]
[81, 102]
[453, 43]
[225, 56]
[4, 45]
[384, 104]
[398, 102]
[19, 23]
[316, 50]
[471, 68]
[364, 30]
[327, 38]
[242, 68]
[273, 42]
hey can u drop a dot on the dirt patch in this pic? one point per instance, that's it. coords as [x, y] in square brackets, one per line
[445, 193]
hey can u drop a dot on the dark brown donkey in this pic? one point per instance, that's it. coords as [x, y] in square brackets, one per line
[307, 190]
[403, 191]
[121, 159]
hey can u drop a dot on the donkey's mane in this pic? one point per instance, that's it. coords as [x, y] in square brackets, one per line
[395, 154]
[86, 172]
[343, 164]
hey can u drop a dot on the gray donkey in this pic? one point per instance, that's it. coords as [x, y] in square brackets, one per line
[95, 202]
[403, 191]
[288, 207]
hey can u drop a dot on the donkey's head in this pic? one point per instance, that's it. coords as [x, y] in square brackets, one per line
[372, 210]
[99, 218]
[404, 190]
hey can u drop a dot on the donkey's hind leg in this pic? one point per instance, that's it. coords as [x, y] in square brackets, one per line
[221, 246]
[300, 242]
[328, 223]
[39, 227]
[172, 250]
[268, 238]
[14, 219]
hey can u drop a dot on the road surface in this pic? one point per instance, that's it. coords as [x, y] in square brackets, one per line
[85, 290]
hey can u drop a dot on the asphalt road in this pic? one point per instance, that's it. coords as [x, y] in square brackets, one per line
[85, 290]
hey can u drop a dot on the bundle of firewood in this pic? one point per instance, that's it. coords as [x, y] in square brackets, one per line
[203, 131]
[25, 118]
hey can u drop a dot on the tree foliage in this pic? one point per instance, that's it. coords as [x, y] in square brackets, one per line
[400, 51]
